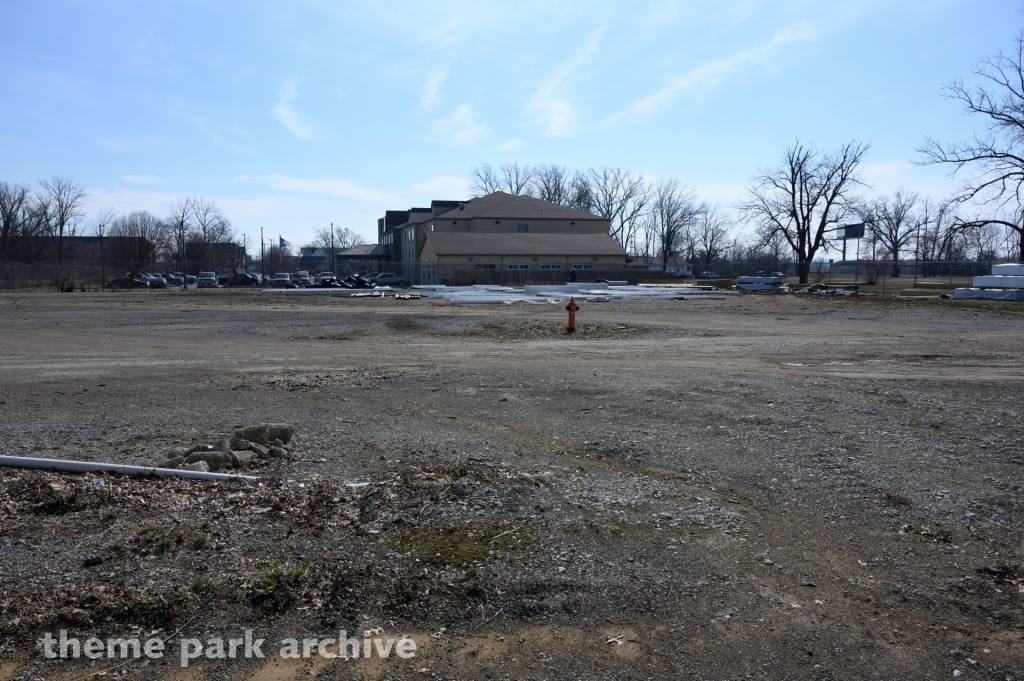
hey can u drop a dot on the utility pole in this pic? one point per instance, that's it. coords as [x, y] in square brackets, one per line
[245, 253]
[103, 271]
[263, 273]
[333, 262]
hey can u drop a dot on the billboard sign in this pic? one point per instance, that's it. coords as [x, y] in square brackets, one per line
[853, 231]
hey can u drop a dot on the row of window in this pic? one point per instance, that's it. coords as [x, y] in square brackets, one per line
[523, 266]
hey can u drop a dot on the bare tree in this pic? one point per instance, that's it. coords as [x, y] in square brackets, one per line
[343, 238]
[14, 204]
[711, 234]
[622, 198]
[804, 197]
[516, 179]
[992, 162]
[940, 236]
[892, 222]
[209, 227]
[134, 238]
[179, 226]
[66, 212]
[102, 223]
[552, 183]
[673, 211]
[484, 180]
[581, 192]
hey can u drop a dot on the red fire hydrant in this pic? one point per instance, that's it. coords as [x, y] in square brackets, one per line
[572, 307]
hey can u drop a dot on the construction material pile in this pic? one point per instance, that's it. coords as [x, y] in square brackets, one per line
[1005, 283]
[542, 294]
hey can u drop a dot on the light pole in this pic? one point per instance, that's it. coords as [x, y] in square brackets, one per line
[103, 270]
[333, 268]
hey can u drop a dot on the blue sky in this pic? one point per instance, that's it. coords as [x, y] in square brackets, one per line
[292, 115]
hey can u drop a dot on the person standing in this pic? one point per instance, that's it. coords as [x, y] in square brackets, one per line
[572, 275]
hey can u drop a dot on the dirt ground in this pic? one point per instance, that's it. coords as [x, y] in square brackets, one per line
[782, 487]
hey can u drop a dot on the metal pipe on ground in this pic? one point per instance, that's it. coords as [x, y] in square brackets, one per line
[94, 467]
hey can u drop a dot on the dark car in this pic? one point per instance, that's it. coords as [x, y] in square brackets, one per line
[243, 279]
[328, 281]
[127, 282]
[155, 280]
[173, 279]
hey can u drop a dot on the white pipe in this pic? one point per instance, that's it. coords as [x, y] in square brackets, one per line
[90, 466]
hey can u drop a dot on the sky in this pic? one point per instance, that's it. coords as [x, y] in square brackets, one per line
[295, 115]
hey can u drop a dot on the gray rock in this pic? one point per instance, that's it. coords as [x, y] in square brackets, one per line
[278, 443]
[200, 466]
[239, 444]
[222, 446]
[214, 460]
[200, 448]
[265, 433]
[173, 462]
[259, 451]
[277, 452]
[244, 458]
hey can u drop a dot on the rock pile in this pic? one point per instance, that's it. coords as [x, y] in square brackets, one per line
[248, 446]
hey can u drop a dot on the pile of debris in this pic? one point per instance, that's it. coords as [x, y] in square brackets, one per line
[247, 447]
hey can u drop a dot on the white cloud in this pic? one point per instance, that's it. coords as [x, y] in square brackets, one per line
[510, 144]
[462, 127]
[141, 179]
[430, 96]
[326, 186]
[288, 117]
[713, 72]
[548, 107]
[444, 188]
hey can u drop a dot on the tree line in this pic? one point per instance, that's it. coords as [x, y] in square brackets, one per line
[42, 226]
[800, 206]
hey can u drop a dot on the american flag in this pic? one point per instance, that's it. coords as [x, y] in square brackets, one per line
[284, 244]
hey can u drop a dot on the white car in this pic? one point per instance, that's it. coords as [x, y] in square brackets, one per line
[206, 280]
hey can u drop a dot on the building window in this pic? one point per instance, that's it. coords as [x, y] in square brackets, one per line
[584, 266]
[514, 266]
[485, 267]
[522, 228]
[551, 266]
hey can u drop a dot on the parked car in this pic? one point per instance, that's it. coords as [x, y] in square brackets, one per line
[173, 279]
[778, 274]
[207, 280]
[391, 279]
[283, 280]
[155, 280]
[127, 282]
[709, 275]
[243, 279]
[303, 276]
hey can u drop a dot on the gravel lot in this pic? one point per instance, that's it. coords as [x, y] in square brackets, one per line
[774, 487]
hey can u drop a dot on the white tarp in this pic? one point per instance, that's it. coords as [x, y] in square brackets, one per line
[1009, 269]
[999, 281]
[1015, 294]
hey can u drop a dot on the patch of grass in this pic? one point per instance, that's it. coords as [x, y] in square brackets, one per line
[200, 541]
[933, 533]
[109, 516]
[465, 545]
[300, 572]
[529, 329]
